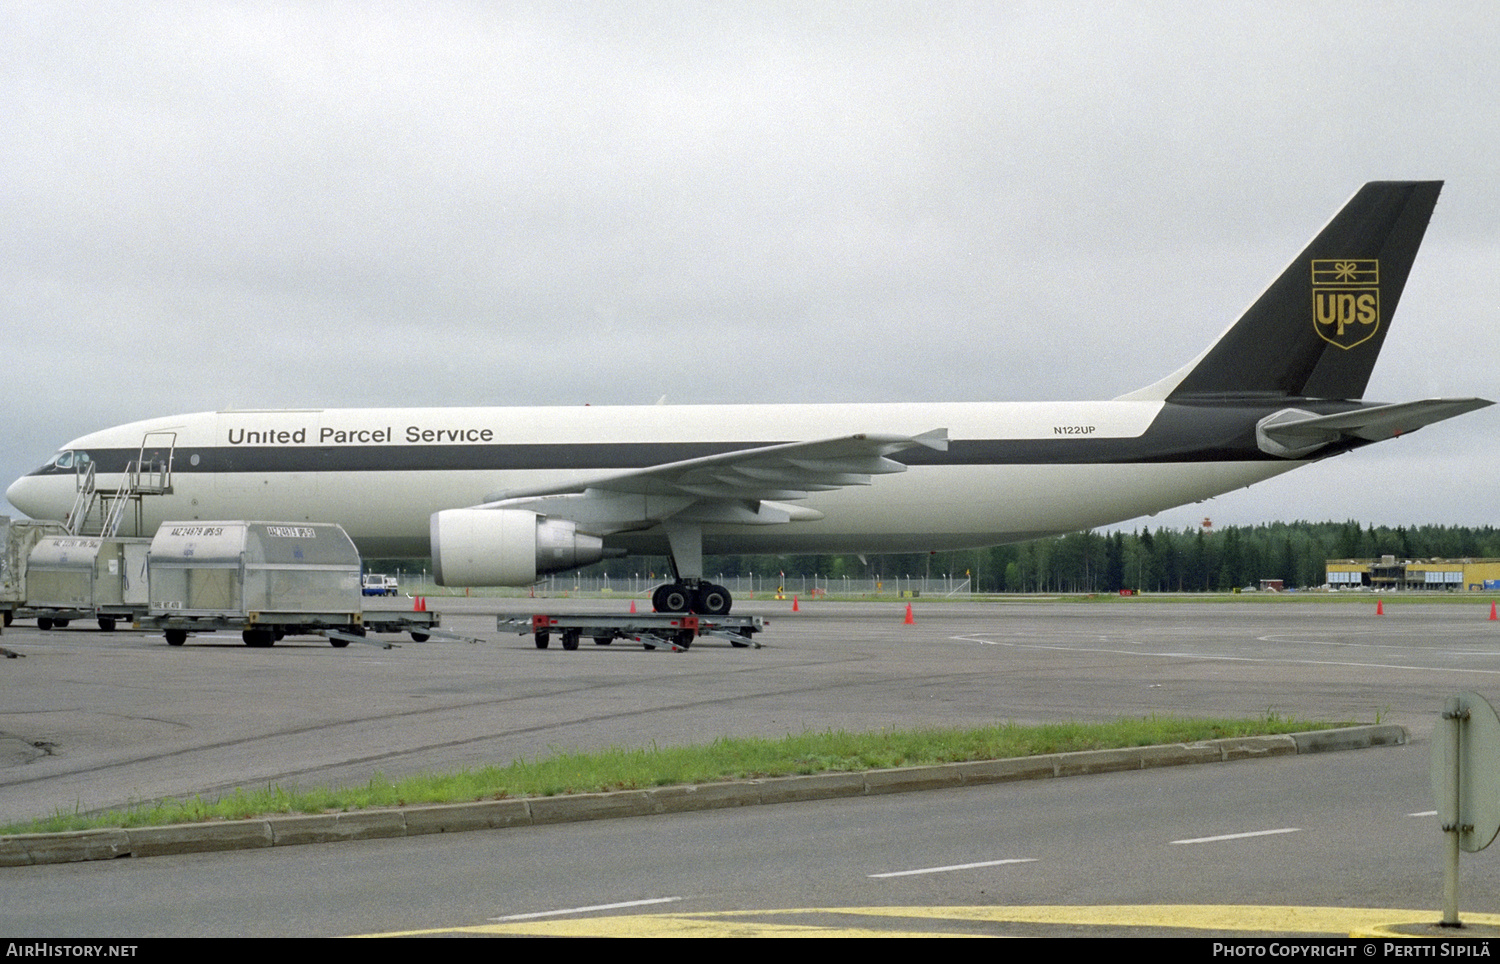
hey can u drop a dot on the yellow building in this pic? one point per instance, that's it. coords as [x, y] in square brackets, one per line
[1388, 572]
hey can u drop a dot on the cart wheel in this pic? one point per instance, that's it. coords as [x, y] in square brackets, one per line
[107, 624]
[43, 623]
[338, 643]
[176, 637]
[420, 637]
[542, 639]
[603, 640]
[570, 639]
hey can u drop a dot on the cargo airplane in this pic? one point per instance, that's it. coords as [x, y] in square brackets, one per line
[499, 496]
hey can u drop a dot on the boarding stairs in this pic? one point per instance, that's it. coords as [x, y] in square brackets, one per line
[150, 473]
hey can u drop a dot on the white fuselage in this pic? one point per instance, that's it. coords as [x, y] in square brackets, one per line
[381, 473]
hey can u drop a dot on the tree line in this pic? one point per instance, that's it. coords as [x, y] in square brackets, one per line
[1192, 559]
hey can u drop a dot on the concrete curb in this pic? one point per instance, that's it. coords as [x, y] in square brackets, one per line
[47, 848]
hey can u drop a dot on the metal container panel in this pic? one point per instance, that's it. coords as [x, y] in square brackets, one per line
[300, 568]
[135, 585]
[237, 568]
[115, 582]
[17, 539]
[60, 572]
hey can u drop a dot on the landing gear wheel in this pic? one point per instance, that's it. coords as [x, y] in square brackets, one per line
[176, 637]
[711, 600]
[542, 639]
[107, 624]
[672, 598]
[570, 639]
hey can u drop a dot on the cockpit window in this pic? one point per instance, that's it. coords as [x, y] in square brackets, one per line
[67, 460]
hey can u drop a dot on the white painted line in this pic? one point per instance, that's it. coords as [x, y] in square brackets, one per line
[1423, 813]
[1172, 654]
[944, 870]
[585, 910]
[1238, 836]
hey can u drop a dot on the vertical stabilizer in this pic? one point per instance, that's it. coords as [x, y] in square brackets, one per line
[1317, 330]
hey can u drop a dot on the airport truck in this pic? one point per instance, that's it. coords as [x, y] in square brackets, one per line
[378, 584]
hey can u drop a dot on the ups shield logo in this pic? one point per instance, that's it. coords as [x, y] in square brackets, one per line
[1346, 300]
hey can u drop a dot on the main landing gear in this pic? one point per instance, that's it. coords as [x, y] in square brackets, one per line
[703, 598]
[690, 593]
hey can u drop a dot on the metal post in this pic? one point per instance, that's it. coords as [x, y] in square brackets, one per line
[1455, 715]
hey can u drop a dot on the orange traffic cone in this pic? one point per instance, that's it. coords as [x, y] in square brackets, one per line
[1380, 607]
[1493, 615]
[632, 606]
[795, 607]
[909, 621]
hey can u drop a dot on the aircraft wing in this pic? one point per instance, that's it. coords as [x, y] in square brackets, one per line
[1293, 432]
[743, 486]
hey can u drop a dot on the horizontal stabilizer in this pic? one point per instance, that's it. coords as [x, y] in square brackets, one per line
[1292, 433]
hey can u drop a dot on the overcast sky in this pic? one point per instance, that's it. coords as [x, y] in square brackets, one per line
[211, 205]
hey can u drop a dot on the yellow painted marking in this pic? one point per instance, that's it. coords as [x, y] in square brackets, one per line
[1240, 918]
[1219, 917]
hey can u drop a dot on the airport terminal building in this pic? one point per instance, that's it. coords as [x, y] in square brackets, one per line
[1388, 572]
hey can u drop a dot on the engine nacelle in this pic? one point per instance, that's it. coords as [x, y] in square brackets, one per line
[505, 547]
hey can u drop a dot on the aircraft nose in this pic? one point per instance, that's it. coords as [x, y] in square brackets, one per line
[24, 495]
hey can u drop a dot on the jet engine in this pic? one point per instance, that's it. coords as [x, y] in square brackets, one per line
[505, 547]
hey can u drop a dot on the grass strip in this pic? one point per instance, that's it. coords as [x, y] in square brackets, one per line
[727, 758]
